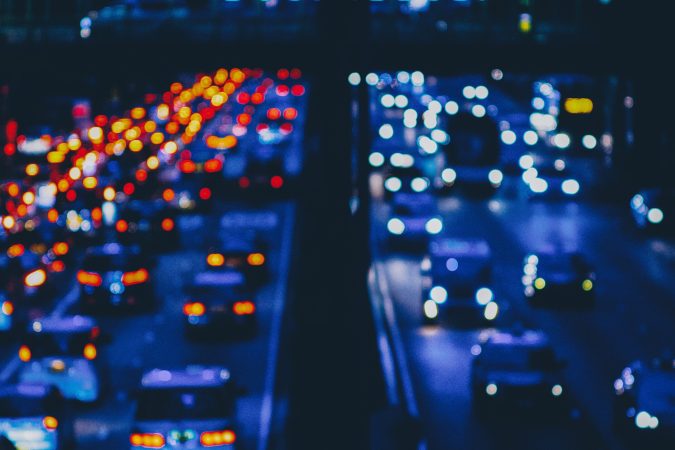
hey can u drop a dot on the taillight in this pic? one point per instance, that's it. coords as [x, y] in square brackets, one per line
[90, 352]
[215, 438]
[147, 440]
[89, 278]
[244, 182]
[256, 259]
[244, 308]
[276, 181]
[194, 309]
[50, 423]
[215, 260]
[205, 193]
[121, 226]
[57, 266]
[15, 250]
[213, 166]
[187, 166]
[25, 353]
[61, 248]
[35, 278]
[167, 224]
[7, 308]
[136, 277]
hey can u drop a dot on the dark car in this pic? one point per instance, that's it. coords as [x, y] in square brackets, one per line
[405, 179]
[654, 209]
[34, 416]
[30, 273]
[115, 276]
[219, 303]
[149, 224]
[414, 219]
[192, 407]
[559, 279]
[456, 275]
[247, 254]
[517, 371]
[644, 410]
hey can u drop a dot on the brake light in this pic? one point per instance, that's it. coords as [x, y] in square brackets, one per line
[35, 278]
[57, 266]
[147, 440]
[121, 226]
[7, 308]
[213, 166]
[273, 113]
[290, 113]
[90, 352]
[25, 353]
[194, 309]
[244, 308]
[15, 250]
[167, 224]
[61, 248]
[244, 182]
[168, 195]
[216, 438]
[96, 214]
[50, 423]
[205, 193]
[256, 259]
[136, 277]
[89, 278]
[187, 166]
[276, 181]
[215, 260]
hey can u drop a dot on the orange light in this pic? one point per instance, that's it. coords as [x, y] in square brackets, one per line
[32, 169]
[147, 440]
[90, 182]
[57, 266]
[245, 308]
[194, 309]
[121, 226]
[168, 224]
[141, 175]
[157, 138]
[22, 210]
[96, 214]
[50, 423]
[273, 113]
[16, 250]
[136, 277]
[90, 352]
[89, 278]
[53, 215]
[13, 189]
[215, 260]
[168, 195]
[290, 113]
[256, 259]
[138, 113]
[61, 248]
[7, 308]
[217, 438]
[25, 353]
[187, 166]
[35, 278]
[213, 166]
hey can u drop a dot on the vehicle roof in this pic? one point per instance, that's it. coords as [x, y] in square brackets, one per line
[70, 324]
[530, 338]
[190, 376]
[460, 247]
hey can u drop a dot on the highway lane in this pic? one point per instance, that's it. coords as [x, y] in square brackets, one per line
[631, 319]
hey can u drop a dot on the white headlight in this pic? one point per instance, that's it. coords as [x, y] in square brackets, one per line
[419, 184]
[570, 187]
[484, 296]
[526, 162]
[451, 108]
[508, 137]
[491, 311]
[478, 110]
[530, 175]
[491, 389]
[386, 131]
[448, 176]
[496, 177]
[539, 186]
[557, 390]
[396, 226]
[561, 140]
[482, 92]
[376, 159]
[392, 184]
[655, 215]
[387, 100]
[530, 137]
[401, 101]
[469, 92]
[589, 141]
[430, 309]
[438, 294]
[434, 226]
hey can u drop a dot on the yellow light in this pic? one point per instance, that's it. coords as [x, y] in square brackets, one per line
[579, 105]
[186, 96]
[132, 133]
[157, 138]
[163, 111]
[32, 170]
[95, 135]
[205, 81]
[136, 145]
[109, 193]
[90, 182]
[55, 157]
[525, 23]
[138, 113]
[221, 77]
[74, 173]
[150, 126]
[256, 259]
[63, 185]
[8, 222]
[28, 198]
[74, 143]
[540, 283]
[587, 285]
[218, 100]
[215, 260]
[152, 162]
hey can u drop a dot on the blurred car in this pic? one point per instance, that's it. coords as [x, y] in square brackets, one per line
[30, 273]
[414, 219]
[405, 180]
[265, 171]
[559, 279]
[551, 181]
[643, 402]
[456, 274]
[517, 370]
[61, 352]
[34, 416]
[219, 303]
[6, 313]
[192, 408]
[244, 253]
[115, 276]
[149, 224]
[653, 209]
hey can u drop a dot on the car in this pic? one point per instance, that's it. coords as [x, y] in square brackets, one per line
[113, 276]
[34, 416]
[654, 209]
[149, 224]
[264, 171]
[31, 274]
[414, 219]
[245, 253]
[191, 407]
[6, 313]
[406, 180]
[517, 370]
[643, 406]
[551, 181]
[219, 303]
[558, 279]
[456, 275]
[61, 352]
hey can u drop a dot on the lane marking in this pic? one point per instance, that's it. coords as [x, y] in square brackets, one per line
[279, 306]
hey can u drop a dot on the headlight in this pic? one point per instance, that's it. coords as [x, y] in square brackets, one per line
[392, 184]
[570, 187]
[491, 389]
[449, 176]
[587, 285]
[491, 311]
[496, 177]
[396, 226]
[655, 215]
[434, 226]
[438, 294]
[430, 309]
[539, 185]
[645, 420]
[557, 390]
[376, 159]
[419, 184]
[426, 264]
[484, 296]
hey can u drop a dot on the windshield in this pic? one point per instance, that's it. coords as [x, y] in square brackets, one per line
[185, 403]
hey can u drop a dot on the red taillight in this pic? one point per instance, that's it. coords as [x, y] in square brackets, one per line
[244, 308]
[61, 248]
[276, 181]
[129, 188]
[147, 440]
[57, 266]
[297, 90]
[194, 309]
[16, 250]
[35, 278]
[273, 113]
[216, 438]
[90, 352]
[89, 278]
[213, 166]
[290, 113]
[121, 226]
[50, 423]
[136, 277]
[24, 353]
[168, 224]
[205, 193]
[7, 308]
[187, 166]
[244, 182]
